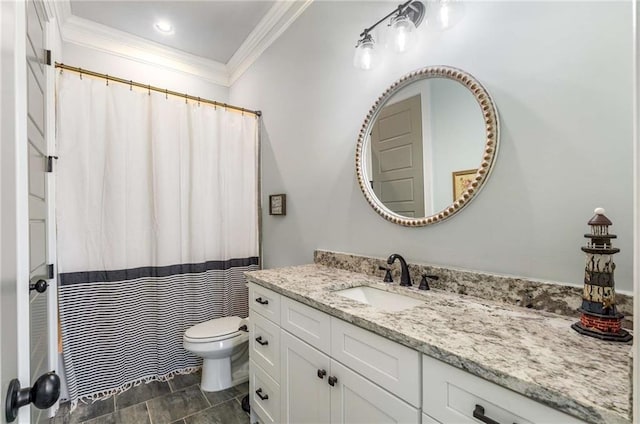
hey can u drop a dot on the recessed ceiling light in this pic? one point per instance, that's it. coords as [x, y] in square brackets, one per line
[164, 27]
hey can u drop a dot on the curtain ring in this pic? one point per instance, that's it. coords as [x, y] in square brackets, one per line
[130, 85]
[149, 89]
[225, 107]
[198, 101]
[80, 72]
[185, 98]
[166, 94]
[242, 110]
[107, 80]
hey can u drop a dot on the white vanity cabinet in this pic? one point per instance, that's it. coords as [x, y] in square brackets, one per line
[315, 387]
[309, 367]
[451, 395]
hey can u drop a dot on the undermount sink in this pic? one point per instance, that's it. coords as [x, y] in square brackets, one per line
[381, 299]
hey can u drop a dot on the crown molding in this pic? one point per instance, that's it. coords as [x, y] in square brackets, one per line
[270, 27]
[87, 33]
[84, 32]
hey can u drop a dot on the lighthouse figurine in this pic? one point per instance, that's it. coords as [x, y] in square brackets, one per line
[600, 317]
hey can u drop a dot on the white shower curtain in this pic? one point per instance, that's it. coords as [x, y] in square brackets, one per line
[156, 220]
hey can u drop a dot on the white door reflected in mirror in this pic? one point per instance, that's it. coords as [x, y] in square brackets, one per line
[425, 134]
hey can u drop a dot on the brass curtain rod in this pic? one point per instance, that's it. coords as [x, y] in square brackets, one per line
[166, 92]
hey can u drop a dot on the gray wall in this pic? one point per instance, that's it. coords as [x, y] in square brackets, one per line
[561, 76]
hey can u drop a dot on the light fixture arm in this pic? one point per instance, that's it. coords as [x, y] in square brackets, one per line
[399, 10]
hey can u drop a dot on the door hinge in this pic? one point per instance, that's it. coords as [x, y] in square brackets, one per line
[47, 57]
[50, 271]
[50, 163]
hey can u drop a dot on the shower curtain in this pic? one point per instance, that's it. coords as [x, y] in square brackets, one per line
[156, 220]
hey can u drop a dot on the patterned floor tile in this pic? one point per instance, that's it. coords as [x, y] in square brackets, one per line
[177, 405]
[136, 414]
[216, 398]
[226, 413]
[182, 381]
[142, 393]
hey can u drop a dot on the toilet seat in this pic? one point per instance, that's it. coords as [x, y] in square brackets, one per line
[215, 330]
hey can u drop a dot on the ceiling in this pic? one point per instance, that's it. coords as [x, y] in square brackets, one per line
[211, 29]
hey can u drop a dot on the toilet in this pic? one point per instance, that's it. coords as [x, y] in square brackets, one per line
[223, 345]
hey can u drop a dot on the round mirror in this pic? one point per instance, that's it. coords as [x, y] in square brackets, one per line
[427, 146]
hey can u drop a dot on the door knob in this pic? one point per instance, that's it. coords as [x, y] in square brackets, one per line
[44, 393]
[40, 286]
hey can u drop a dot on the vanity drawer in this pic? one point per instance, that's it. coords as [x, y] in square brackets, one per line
[387, 363]
[264, 395]
[265, 302]
[264, 344]
[452, 395]
[310, 325]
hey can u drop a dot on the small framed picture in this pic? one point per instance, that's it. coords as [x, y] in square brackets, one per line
[462, 181]
[278, 204]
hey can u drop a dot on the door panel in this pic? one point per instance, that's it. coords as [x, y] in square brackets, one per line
[356, 400]
[397, 157]
[37, 187]
[305, 396]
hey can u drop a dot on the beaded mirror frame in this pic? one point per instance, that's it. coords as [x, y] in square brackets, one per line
[489, 154]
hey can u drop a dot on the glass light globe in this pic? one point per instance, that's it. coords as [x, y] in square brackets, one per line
[403, 33]
[449, 13]
[365, 55]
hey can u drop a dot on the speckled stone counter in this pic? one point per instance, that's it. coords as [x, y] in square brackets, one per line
[533, 353]
[556, 297]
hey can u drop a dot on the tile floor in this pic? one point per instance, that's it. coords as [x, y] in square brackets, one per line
[178, 401]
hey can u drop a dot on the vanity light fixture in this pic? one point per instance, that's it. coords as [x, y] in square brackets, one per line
[164, 27]
[403, 23]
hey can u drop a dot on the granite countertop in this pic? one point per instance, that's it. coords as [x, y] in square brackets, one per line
[533, 353]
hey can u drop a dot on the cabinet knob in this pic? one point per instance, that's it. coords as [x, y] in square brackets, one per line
[262, 301]
[322, 373]
[262, 342]
[332, 380]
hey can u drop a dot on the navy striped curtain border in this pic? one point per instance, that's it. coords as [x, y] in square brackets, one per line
[113, 276]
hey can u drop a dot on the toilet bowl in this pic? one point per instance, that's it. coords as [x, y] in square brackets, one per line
[223, 346]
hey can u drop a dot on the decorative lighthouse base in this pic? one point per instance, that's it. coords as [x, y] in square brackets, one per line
[603, 328]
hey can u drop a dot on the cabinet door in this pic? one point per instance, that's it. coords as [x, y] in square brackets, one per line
[355, 399]
[305, 392]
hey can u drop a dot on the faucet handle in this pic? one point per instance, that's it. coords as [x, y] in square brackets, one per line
[387, 275]
[424, 283]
